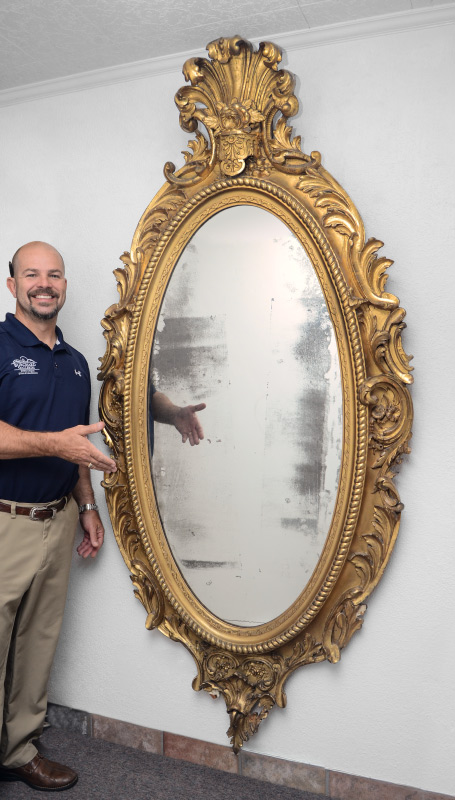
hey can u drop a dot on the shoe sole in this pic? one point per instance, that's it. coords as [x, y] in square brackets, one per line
[5, 778]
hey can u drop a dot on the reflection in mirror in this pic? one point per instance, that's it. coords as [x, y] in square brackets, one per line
[244, 327]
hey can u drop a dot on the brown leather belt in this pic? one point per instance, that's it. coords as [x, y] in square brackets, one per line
[37, 512]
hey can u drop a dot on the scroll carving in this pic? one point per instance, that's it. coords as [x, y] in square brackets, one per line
[244, 156]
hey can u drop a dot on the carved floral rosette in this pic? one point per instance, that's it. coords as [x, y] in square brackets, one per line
[235, 96]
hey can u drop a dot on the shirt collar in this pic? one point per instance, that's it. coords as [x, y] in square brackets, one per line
[26, 337]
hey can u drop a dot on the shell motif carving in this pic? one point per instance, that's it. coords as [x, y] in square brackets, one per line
[235, 95]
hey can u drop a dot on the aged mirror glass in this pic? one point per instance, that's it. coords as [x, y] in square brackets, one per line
[250, 286]
[244, 326]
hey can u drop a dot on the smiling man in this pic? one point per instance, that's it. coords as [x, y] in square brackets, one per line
[37, 299]
[45, 487]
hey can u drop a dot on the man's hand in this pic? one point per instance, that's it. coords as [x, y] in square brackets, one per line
[93, 534]
[72, 445]
[188, 425]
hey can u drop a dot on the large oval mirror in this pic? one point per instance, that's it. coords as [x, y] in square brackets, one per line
[244, 326]
[251, 286]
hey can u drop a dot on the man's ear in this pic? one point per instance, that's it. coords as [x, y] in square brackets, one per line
[11, 284]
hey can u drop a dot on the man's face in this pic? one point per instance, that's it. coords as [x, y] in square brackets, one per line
[39, 283]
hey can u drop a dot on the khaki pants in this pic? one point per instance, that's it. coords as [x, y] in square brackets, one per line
[35, 560]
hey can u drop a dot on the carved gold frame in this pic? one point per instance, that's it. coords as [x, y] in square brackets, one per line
[249, 158]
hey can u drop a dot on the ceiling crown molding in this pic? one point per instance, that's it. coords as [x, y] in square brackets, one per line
[310, 37]
[399, 22]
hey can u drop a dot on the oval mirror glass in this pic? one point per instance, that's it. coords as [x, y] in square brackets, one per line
[244, 327]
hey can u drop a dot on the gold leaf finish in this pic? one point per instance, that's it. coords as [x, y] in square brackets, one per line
[248, 156]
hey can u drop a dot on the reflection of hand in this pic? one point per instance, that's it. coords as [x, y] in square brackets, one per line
[187, 423]
[93, 534]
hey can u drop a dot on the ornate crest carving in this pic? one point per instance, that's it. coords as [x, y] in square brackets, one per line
[247, 157]
[236, 96]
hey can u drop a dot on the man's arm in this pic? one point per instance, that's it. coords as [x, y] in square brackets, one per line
[70, 444]
[183, 418]
[90, 521]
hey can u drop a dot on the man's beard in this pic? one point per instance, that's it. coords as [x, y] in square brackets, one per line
[47, 315]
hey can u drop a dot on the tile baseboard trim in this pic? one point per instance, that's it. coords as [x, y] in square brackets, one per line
[292, 774]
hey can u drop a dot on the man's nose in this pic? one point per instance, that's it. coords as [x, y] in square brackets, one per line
[45, 286]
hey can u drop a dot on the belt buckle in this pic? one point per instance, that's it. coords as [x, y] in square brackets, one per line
[41, 508]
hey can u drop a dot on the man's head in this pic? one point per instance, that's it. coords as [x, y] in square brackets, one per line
[37, 281]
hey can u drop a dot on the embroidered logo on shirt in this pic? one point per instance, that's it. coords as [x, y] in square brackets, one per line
[78, 372]
[25, 366]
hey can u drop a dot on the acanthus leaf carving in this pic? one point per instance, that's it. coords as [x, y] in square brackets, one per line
[343, 622]
[371, 555]
[148, 591]
[385, 343]
[339, 213]
[156, 219]
[200, 151]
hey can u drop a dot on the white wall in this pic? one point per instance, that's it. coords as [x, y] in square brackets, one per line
[78, 170]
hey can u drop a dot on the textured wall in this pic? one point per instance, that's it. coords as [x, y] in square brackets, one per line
[78, 170]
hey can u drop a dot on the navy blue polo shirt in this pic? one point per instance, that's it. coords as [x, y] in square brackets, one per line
[40, 390]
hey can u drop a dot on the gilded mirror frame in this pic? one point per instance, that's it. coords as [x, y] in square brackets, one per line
[248, 157]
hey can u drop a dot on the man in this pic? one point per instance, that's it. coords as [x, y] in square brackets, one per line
[45, 487]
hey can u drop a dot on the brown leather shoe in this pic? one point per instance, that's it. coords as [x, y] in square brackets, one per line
[40, 773]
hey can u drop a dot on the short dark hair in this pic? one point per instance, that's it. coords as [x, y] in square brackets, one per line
[13, 262]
